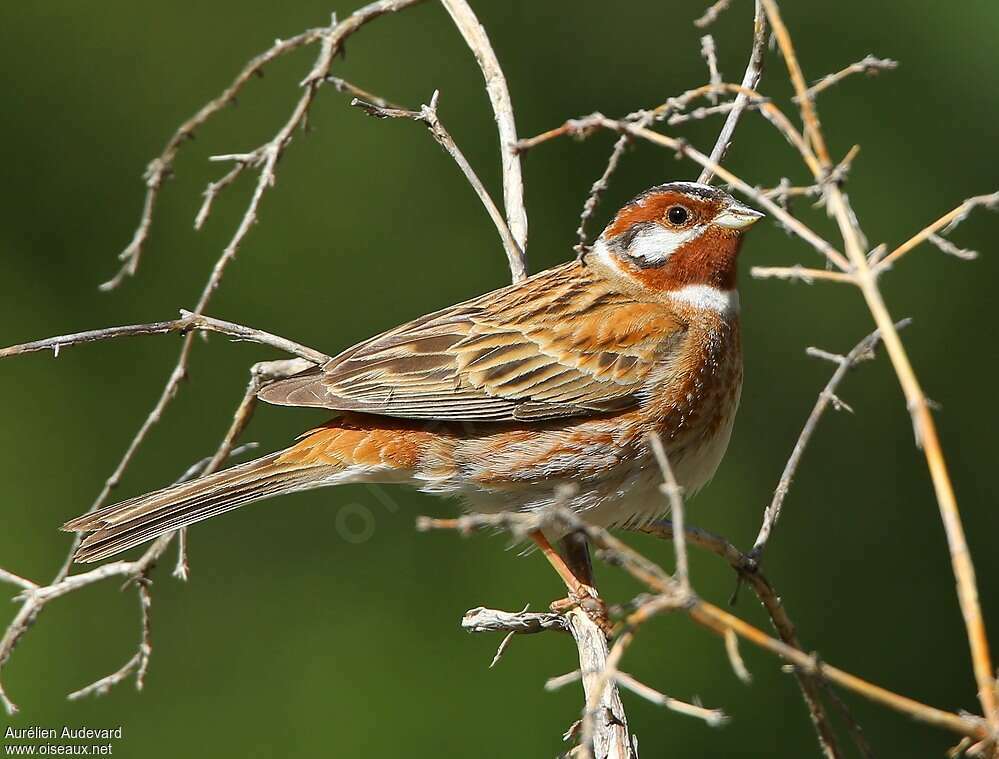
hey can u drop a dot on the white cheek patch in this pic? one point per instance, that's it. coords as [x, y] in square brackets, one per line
[724, 302]
[654, 244]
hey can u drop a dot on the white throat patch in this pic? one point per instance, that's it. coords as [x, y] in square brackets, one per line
[724, 302]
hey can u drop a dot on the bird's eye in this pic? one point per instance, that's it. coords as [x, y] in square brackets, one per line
[677, 215]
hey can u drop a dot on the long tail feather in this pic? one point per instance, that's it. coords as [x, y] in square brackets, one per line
[119, 527]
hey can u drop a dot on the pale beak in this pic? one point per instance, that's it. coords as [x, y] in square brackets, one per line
[737, 216]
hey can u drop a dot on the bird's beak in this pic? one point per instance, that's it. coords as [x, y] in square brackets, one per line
[738, 217]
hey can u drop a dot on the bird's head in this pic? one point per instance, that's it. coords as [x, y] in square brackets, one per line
[680, 239]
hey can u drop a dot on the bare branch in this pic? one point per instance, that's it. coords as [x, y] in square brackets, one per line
[712, 13]
[710, 56]
[481, 619]
[161, 167]
[428, 116]
[869, 65]
[499, 96]
[139, 662]
[14, 579]
[750, 80]
[862, 351]
[713, 717]
[187, 323]
[668, 596]
[800, 273]
[945, 224]
[671, 489]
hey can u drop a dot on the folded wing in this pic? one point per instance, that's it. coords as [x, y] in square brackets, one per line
[559, 344]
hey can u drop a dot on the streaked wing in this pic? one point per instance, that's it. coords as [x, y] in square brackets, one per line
[559, 344]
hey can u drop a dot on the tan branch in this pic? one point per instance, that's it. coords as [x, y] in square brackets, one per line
[916, 401]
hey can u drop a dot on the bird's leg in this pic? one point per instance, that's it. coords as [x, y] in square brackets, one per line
[578, 577]
[576, 550]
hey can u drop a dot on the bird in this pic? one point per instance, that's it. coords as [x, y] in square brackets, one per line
[557, 380]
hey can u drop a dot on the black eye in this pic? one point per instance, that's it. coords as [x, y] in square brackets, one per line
[677, 215]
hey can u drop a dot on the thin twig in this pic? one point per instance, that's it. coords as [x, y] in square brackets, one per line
[774, 606]
[14, 579]
[862, 351]
[945, 223]
[710, 56]
[499, 96]
[750, 81]
[712, 13]
[161, 167]
[869, 65]
[342, 85]
[671, 489]
[139, 662]
[428, 116]
[713, 717]
[188, 322]
[801, 274]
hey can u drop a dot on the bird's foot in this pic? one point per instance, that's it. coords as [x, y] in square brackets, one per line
[586, 598]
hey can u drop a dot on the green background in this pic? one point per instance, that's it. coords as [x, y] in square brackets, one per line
[292, 640]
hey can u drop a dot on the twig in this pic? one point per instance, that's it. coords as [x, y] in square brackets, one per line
[869, 65]
[481, 619]
[710, 56]
[598, 188]
[945, 223]
[139, 662]
[188, 322]
[428, 116]
[713, 717]
[735, 658]
[750, 80]
[801, 274]
[499, 96]
[161, 167]
[712, 13]
[342, 85]
[946, 246]
[862, 351]
[771, 601]
[671, 489]
[14, 579]
[34, 599]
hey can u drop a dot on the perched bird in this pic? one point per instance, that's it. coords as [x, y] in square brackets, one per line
[558, 379]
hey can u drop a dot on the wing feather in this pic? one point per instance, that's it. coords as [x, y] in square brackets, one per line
[562, 343]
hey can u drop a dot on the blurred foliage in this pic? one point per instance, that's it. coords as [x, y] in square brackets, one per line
[291, 640]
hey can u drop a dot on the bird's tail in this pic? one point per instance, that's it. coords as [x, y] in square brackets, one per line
[116, 528]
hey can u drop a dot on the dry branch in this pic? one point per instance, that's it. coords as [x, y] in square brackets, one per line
[669, 596]
[750, 80]
[428, 116]
[499, 96]
[862, 351]
[916, 401]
